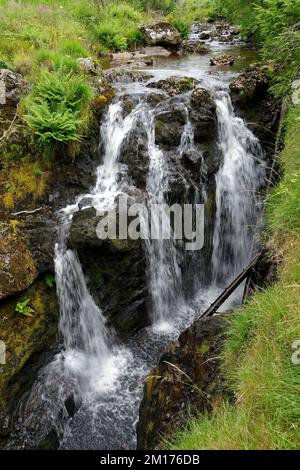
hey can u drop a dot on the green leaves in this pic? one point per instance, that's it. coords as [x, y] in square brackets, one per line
[24, 308]
[56, 107]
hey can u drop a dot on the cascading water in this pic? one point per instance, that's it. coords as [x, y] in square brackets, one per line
[238, 202]
[108, 378]
[164, 272]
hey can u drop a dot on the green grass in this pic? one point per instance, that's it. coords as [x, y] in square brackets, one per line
[257, 356]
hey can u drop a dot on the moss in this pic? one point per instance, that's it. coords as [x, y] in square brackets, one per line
[25, 183]
[24, 336]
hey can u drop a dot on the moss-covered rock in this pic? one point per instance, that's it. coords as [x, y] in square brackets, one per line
[24, 335]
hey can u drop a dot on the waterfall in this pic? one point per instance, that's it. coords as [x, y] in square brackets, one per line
[89, 353]
[238, 201]
[165, 283]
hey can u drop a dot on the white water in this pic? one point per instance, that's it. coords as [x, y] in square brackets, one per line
[238, 201]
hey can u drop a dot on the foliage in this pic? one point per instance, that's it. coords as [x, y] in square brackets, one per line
[188, 11]
[275, 25]
[57, 106]
[257, 355]
[50, 280]
[23, 307]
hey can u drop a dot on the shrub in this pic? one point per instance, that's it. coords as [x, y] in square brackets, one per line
[57, 108]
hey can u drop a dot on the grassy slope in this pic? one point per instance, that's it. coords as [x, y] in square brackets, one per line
[258, 351]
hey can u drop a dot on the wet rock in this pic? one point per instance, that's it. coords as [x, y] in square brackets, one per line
[250, 86]
[175, 85]
[194, 47]
[121, 75]
[186, 380]
[26, 339]
[161, 34]
[205, 35]
[203, 116]
[156, 51]
[115, 270]
[88, 65]
[222, 60]
[39, 229]
[135, 154]
[169, 126]
[17, 267]
[12, 86]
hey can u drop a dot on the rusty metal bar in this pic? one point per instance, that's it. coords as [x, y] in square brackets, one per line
[231, 288]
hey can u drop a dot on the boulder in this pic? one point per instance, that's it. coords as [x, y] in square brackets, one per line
[250, 86]
[175, 85]
[12, 86]
[222, 60]
[88, 65]
[194, 47]
[122, 75]
[161, 34]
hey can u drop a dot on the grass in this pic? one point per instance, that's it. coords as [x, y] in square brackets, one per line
[257, 356]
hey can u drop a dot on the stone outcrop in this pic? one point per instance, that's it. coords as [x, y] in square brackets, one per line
[175, 85]
[161, 34]
[109, 264]
[251, 86]
[186, 380]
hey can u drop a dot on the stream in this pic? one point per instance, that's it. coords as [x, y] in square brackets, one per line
[103, 374]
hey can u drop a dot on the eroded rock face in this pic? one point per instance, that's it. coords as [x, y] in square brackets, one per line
[109, 264]
[250, 86]
[175, 85]
[187, 379]
[17, 266]
[169, 126]
[161, 34]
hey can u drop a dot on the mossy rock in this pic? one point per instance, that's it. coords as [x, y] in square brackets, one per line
[24, 336]
[17, 266]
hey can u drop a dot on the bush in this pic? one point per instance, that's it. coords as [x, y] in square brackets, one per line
[57, 107]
